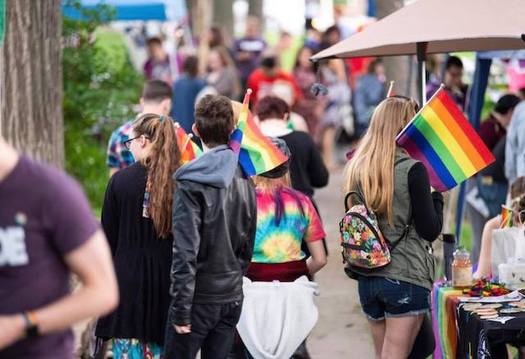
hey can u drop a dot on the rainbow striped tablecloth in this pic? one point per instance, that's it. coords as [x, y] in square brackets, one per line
[444, 302]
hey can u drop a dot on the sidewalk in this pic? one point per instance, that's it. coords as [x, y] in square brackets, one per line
[342, 330]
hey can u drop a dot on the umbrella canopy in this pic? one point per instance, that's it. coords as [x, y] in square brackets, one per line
[445, 25]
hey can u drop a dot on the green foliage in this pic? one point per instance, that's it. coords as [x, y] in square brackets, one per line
[100, 87]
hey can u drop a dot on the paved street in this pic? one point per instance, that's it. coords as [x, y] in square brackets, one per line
[341, 331]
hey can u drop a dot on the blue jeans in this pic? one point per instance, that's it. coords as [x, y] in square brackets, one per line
[385, 298]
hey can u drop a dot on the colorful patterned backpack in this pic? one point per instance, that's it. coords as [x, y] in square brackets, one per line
[363, 243]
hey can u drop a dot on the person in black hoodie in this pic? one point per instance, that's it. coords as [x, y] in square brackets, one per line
[214, 221]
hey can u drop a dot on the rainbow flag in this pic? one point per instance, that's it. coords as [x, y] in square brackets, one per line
[441, 137]
[506, 217]
[257, 153]
[189, 150]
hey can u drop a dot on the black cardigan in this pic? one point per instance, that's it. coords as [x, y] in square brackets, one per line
[142, 261]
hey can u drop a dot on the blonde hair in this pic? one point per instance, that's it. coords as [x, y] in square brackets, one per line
[371, 168]
[271, 184]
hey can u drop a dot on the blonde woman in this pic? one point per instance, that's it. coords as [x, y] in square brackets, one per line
[396, 298]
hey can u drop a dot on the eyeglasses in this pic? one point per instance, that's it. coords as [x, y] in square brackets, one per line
[127, 143]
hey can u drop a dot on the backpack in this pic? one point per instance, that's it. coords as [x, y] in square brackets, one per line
[364, 245]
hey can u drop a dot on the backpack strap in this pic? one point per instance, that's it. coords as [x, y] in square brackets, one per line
[358, 195]
[409, 224]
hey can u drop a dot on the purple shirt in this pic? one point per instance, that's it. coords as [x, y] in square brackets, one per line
[44, 215]
[253, 46]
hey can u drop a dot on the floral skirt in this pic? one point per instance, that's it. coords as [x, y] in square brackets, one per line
[135, 349]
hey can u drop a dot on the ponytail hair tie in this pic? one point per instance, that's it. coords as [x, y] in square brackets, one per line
[162, 118]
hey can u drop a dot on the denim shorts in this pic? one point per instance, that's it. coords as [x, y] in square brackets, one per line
[386, 298]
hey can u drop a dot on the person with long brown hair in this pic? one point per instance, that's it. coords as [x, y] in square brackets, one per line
[222, 75]
[396, 297]
[136, 217]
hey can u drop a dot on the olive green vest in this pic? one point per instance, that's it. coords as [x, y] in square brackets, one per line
[411, 258]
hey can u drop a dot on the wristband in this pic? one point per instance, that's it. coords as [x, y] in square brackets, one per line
[31, 324]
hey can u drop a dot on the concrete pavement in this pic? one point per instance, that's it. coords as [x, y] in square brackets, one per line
[342, 330]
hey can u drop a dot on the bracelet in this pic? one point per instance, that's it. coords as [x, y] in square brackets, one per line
[31, 324]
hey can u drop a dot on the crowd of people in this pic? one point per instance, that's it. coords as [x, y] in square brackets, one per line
[249, 62]
[164, 271]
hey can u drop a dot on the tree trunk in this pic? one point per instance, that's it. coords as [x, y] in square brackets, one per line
[398, 68]
[31, 79]
[255, 8]
[223, 16]
[203, 10]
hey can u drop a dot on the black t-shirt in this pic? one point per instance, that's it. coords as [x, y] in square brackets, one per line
[307, 169]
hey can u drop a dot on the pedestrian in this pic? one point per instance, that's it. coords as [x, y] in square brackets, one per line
[396, 297]
[453, 82]
[248, 50]
[222, 74]
[269, 73]
[185, 91]
[157, 66]
[308, 105]
[214, 221]
[494, 127]
[337, 111]
[136, 217]
[286, 218]
[47, 233]
[515, 146]
[370, 91]
[156, 98]
[489, 186]
[307, 169]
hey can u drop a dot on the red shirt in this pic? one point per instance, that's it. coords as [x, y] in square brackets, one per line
[261, 84]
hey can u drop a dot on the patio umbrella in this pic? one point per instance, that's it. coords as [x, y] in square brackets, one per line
[437, 26]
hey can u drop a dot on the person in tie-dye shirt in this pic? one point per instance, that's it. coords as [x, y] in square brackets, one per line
[285, 218]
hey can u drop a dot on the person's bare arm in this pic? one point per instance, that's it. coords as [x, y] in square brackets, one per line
[485, 253]
[317, 259]
[98, 295]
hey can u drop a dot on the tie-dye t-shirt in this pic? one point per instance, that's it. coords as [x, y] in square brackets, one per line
[282, 243]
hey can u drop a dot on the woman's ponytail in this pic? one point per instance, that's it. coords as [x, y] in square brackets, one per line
[161, 163]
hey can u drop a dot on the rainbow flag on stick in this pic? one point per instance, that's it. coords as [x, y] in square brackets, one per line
[189, 150]
[441, 137]
[257, 153]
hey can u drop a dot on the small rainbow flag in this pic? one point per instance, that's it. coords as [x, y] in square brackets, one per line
[441, 137]
[506, 217]
[257, 153]
[189, 150]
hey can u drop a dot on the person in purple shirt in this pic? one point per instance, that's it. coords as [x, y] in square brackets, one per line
[248, 50]
[47, 232]
[157, 66]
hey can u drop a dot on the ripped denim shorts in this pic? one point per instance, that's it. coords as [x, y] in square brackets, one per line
[386, 298]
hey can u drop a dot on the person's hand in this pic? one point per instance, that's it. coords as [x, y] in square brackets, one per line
[11, 329]
[183, 329]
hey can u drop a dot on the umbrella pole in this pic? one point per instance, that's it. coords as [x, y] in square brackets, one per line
[421, 71]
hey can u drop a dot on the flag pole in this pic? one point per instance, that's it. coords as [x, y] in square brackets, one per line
[390, 89]
[187, 141]
[441, 87]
